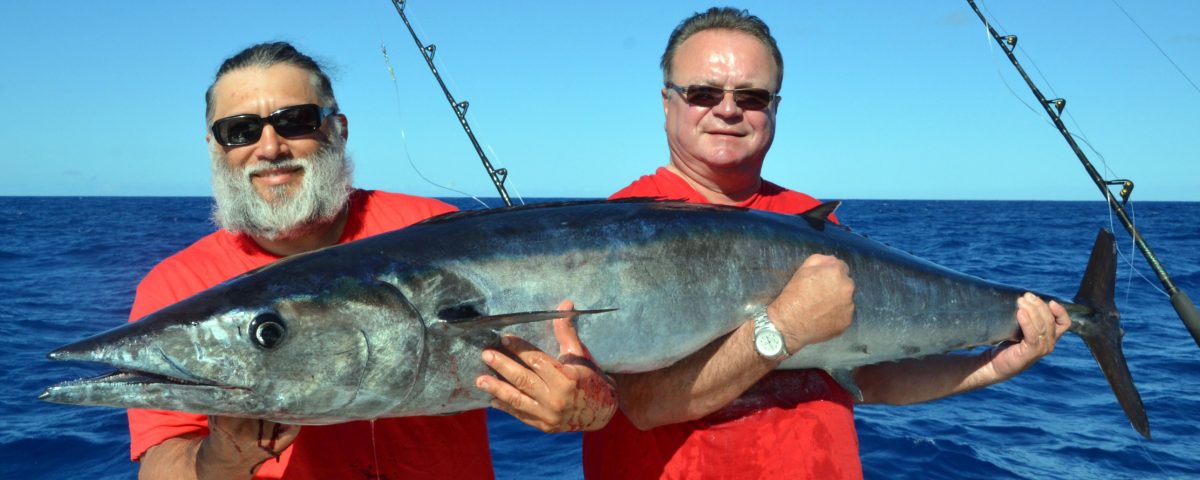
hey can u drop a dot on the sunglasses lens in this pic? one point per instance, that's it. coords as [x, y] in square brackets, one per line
[234, 131]
[746, 98]
[296, 121]
[288, 122]
[752, 98]
[704, 96]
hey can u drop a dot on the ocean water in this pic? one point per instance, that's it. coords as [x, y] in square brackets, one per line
[69, 266]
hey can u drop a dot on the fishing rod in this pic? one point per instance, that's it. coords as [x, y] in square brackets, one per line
[498, 175]
[1054, 107]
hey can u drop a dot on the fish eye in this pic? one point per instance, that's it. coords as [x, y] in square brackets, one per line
[267, 330]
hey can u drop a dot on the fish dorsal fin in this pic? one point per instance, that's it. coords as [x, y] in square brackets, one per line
[819, 215]
[460, 318]
[822, 211]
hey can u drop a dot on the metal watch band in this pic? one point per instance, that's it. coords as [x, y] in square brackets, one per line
[763, 326]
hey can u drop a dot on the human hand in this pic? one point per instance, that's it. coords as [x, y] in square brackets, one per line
[567, 394]
[816, 305]
[1041, 326]
[240, 445]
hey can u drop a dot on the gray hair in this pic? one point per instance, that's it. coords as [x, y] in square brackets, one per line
[264, 55]
[721, 18]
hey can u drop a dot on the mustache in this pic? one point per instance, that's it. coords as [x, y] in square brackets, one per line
[302, 163]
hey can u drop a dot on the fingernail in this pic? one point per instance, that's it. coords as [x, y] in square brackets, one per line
[481, 382]
[504, 340]
[488, 357]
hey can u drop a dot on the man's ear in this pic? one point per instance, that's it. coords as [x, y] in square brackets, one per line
[345, 126]
[666, 100]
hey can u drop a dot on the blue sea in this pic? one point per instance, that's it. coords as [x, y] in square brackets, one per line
[69, 266]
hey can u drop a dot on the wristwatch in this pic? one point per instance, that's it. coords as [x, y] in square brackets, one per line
[767, 339]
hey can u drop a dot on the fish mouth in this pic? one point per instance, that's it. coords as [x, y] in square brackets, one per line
[135, 377]
[156, 374]
[128, 384]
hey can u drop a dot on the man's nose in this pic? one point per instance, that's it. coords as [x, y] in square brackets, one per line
[728, 107]
[270, 145]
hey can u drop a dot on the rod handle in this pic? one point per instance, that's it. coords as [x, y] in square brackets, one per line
[1187, 312]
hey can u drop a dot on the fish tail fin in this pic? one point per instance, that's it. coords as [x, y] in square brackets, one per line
[1100, 327]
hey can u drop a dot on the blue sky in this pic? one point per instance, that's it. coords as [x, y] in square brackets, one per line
[882, 99]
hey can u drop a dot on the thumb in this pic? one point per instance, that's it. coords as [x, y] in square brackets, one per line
[567, 335]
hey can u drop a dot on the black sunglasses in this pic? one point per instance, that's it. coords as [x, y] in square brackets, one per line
[289, 122]
[708, 96]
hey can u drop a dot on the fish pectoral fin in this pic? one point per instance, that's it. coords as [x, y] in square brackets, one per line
[506, 319]
[845, 378]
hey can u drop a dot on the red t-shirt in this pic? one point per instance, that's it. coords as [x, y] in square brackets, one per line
[452, 446]
[791, 424]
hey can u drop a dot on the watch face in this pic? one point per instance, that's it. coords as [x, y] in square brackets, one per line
[768, 344]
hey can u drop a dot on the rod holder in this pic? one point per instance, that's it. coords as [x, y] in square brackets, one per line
[1126, 188]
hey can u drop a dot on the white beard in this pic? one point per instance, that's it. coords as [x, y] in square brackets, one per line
[322, 194]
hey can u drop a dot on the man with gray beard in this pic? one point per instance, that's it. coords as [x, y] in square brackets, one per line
[323, 192]
[282, 184]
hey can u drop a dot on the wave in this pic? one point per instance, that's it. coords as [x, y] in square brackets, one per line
[65, 456]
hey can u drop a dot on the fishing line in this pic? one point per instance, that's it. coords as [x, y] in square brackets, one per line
[440, 60]
[497, 175]
[1129, 276]
[454, 84]
[991, 49]
[1133, 250]
[404, 135]
[1103, 161]
[382, 47]
[387, 61]
[1150, 457]
[1053, 107]
[449, 75]
[375, 448]
[1160, 50]
[1107, 169]
[1081, 137]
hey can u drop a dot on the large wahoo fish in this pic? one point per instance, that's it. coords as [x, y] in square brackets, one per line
[393, 325]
